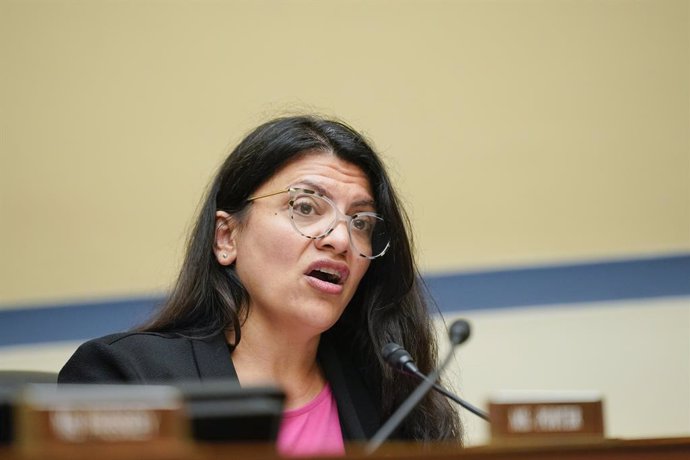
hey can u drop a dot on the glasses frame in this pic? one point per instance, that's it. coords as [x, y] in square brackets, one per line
[339, 217]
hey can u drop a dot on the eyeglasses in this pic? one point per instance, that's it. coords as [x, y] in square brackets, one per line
[315, 216]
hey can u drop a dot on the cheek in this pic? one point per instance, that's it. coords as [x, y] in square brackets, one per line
[270, 241]
[359, 269]
[283, 241]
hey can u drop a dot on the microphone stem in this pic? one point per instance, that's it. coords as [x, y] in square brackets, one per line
[475, 410]
[406, 407]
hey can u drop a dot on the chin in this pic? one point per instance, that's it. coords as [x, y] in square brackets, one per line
[320, 319]
[323, 326]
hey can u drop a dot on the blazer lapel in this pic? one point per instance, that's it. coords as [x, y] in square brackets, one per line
[212, 357]
[359, 417]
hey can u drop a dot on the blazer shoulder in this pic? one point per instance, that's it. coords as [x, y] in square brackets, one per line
[127, 340]
[136, 357]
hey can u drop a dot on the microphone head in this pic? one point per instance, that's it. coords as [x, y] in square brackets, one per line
[459, 331]
[398, 358]
[388, 350]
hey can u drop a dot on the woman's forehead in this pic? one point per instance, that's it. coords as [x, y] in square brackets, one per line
[325, 172]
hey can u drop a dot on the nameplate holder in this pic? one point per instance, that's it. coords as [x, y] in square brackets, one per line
[546, 417]
[69, 420]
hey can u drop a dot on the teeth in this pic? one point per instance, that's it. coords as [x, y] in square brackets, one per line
[331, 276]
[329, 272]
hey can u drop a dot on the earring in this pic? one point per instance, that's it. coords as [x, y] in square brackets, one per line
[225, 256]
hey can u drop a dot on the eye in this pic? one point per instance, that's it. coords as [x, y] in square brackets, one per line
[303, 208]
[363, 224]
[307, 206]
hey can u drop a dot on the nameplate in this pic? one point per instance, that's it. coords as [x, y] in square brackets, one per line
[517, 416]
[54, 419]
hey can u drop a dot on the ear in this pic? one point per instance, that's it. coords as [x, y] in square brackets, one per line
[224, 244]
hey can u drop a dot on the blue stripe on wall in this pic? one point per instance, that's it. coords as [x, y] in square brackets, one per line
[73, 322]
[557, 285]
[566, 284]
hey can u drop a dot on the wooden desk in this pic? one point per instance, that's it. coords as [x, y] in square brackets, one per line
[638, 449]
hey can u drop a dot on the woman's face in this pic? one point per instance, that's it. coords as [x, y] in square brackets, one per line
[283, 270]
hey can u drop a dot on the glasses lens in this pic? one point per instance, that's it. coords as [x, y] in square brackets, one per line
[314, 216]
[368, 234]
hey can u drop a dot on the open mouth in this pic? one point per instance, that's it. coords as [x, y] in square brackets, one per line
[324, 274]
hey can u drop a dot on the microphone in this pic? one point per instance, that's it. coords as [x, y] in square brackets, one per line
[397, 357]
[459, 332]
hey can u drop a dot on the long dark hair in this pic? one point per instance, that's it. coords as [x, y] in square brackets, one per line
[390, 304]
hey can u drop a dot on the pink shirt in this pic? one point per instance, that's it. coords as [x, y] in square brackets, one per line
[313, 429]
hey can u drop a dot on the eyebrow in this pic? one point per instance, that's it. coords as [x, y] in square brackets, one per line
[317, 188]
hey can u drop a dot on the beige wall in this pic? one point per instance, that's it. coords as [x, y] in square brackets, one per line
[519, 132]
[636, 354]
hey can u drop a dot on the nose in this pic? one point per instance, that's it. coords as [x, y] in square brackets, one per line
[338, 239]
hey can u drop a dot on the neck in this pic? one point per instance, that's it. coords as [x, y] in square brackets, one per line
[274, 356]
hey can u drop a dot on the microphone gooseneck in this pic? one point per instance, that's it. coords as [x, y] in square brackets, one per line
[399, 358]
[406, 407]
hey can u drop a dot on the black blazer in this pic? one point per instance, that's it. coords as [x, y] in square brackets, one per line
[147, 357]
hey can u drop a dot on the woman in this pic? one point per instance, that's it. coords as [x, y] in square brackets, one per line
[298, 271]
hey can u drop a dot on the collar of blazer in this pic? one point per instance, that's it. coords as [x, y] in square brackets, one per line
[359, 416]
